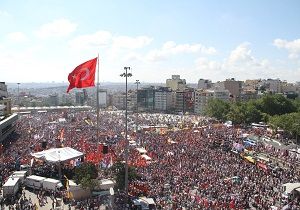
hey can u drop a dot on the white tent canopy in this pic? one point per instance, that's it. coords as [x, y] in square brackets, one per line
[62, 120]
[141, 150]
[146, 157]
[289, 187]
[58, 154]
[106, 184]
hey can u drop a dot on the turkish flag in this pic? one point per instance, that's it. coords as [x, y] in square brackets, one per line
[83, 75]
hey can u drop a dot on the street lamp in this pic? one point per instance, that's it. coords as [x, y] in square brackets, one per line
[126, 75]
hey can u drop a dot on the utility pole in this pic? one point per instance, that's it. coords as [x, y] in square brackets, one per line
[126, 75]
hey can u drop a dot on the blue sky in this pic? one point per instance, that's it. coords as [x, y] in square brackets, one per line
[43, 41]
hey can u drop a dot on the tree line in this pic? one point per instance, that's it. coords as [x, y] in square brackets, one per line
[276, 110]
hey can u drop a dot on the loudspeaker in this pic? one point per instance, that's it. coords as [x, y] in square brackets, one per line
[105, 149]
[44, 144]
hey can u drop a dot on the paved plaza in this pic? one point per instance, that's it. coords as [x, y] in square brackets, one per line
[48, 203]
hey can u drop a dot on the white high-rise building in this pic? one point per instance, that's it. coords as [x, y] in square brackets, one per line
[204, 84]
[176, 83]
[202, 98]
[163, 99]
[273, 85]
[288, 87]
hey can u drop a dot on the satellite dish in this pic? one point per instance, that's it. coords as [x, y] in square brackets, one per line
[111, 191]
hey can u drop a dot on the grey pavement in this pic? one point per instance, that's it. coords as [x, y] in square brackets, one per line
[48, 205]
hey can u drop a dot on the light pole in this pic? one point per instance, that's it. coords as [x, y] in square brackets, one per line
[126, 75]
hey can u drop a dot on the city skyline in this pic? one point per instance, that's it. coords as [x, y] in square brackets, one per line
[44, 42]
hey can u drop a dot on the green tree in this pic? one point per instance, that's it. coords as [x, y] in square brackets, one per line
[244, 113]
[292, 95]
[252, 114]
[66, 104]
[275, 105]
[297, 104]
[118, 170]
[237, 113]
[288, 122]
[33, 104]
[86, 175]
[274, 122]
[218, 108]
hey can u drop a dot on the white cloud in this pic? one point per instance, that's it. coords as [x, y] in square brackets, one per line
[204, 63]
[293, 47]
[171, 48]
[100, 38]
[124, 46]
[156, 55]
[240, 63]
[132, 57]
[105, 38]
[111, 47]
[241, 54]
[207, 69]
[131, 42]
[17, 37]
[4, 14]
[23, 70]
[57, 28]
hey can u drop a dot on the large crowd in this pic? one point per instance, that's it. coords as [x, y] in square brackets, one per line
[192, 165]
[192, 174]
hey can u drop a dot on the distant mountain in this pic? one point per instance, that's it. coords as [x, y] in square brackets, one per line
[113, 86]
[35, 85]
[65, 85]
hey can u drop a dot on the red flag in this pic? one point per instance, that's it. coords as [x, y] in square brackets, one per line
[232, 204]
[83, 75]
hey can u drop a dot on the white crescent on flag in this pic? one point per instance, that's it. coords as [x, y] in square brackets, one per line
[86, 73]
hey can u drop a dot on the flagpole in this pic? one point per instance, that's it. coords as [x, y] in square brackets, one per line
[97, 95]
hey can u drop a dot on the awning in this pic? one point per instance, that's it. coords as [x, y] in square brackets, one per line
[58, 154]
[106, 184]
[250, 159]
[141, 150]
[146, 157]
[289, 187]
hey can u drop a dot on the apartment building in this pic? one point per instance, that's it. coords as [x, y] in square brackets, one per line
[202, 98]
[163, 99]
[176, 83]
